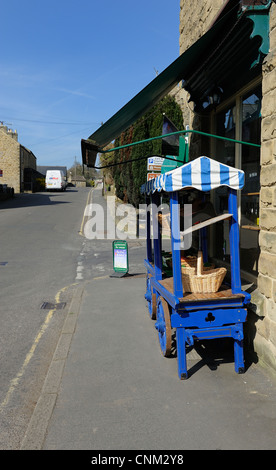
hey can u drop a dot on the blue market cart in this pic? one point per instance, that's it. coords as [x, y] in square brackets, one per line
[196, 315]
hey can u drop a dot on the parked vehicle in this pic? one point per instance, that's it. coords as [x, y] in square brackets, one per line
[55, 180]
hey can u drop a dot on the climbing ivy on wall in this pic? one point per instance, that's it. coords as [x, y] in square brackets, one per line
[128, 178]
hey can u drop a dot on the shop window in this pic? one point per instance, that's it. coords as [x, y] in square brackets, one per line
[225, 153]
[247, 129]
[251, 132]
[226, 127]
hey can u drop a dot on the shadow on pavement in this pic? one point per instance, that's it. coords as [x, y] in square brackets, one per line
[28, 200]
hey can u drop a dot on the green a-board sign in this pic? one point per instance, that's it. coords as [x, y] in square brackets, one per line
[120, 256]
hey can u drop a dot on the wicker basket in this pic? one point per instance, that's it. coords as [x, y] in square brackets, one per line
[203, 281]
[189, 265]
[188, 262]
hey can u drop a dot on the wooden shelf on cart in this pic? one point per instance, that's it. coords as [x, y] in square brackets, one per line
[223, 293]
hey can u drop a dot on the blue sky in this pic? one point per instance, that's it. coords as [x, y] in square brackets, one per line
[67, 65]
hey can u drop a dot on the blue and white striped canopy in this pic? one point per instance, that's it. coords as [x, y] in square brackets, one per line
[203, 174]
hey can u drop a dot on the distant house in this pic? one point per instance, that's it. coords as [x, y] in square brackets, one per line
[78, 181]
[14, 159]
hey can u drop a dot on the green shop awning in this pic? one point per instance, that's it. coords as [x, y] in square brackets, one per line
[225, 58]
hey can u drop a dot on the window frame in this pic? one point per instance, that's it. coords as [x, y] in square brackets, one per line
[237, 101]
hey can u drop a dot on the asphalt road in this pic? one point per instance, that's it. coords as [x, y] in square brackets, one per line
[39, 261]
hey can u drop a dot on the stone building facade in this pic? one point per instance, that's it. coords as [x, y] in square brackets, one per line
[252, 112]
[267, 239]
[14, 158]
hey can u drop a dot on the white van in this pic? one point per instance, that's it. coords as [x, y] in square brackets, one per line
[55, 180]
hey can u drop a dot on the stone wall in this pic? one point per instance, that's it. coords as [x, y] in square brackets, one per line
[10, 160]
[195, 20]
[28, 159]
[13, 159]
[265, 340]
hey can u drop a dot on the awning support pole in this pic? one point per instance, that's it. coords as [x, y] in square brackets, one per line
[184, 131]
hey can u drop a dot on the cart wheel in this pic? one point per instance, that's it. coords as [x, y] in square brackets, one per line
[163, 326]
[151, 298]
